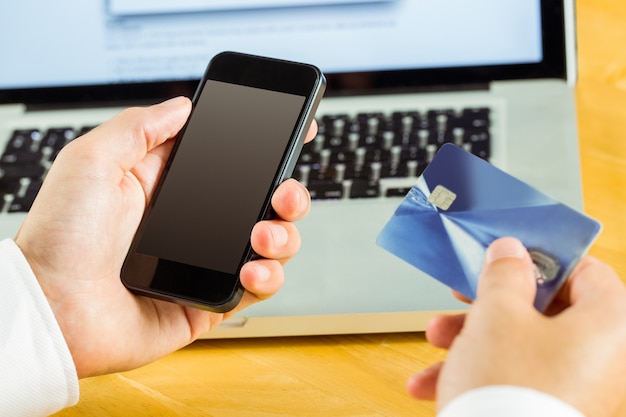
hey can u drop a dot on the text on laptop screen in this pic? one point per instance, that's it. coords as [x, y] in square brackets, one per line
[77, 42]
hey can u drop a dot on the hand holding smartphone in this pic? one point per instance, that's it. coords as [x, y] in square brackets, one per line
[243, 138]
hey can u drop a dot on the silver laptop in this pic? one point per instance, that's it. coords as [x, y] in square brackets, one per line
[493, 76]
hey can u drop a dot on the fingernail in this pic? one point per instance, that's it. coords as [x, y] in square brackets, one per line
[505, 248]
[279, 235]
[175, 102]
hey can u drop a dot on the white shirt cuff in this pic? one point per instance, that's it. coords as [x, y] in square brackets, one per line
[37, 373]
[507, 401]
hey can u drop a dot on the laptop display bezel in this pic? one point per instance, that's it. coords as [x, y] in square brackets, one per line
[553, 65]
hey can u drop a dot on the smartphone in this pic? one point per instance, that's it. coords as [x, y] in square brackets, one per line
[244, 135]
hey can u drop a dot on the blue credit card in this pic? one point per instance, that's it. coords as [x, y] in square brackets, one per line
[462, 203]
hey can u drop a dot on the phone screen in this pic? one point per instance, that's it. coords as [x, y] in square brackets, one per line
[242, 139]
[223, 169]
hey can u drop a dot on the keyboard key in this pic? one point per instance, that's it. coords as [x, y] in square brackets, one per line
[334, 125]
[18, 170]
[394, 170]
[325, 190]
[477, 118]
[84, 129]
[54, 140]
[377, 155]
[370, 141]
[371, 124]
[14, 157]
[10, 186]
[309, 158]
[342, 157]
[480, 143]
[324, 173]
[364, 189]
[397, 192]
[22, 140]
[413, 153]
[23, 203]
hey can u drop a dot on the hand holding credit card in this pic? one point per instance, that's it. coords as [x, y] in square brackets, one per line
[462, 203]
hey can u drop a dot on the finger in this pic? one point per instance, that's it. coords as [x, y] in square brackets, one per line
[312, 132]
[442, 330]
[262, 279]
[275, 239]
[291, 200]
[592, 282]
[200, 322]
[461, 297]
[423, 386]
[150, 168]
[507, 274]
[130, 135]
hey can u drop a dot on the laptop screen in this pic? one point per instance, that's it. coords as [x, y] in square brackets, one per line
[70, 50]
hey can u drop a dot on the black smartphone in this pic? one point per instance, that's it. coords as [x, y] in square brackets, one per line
[246, 130]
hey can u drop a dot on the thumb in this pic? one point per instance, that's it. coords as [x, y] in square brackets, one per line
[125, 139]
[508, 273]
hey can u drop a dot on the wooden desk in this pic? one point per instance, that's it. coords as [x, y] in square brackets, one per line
[365, 375]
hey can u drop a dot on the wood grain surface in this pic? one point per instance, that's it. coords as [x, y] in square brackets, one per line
[364, 375]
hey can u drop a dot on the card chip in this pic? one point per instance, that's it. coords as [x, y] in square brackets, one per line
[441, 197]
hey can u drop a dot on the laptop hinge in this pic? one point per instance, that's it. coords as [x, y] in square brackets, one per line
[89, 105]
[411, 90]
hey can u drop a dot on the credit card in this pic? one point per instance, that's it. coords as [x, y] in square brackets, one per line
[462, 203]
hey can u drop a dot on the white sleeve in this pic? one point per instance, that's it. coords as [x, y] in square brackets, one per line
[507, 401]
[37, 374]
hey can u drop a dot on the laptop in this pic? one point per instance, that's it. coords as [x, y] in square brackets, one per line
[404, 76]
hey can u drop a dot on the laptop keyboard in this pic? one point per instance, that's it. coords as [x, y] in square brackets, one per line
[369, 155]
[373, 155]
[25, 162]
